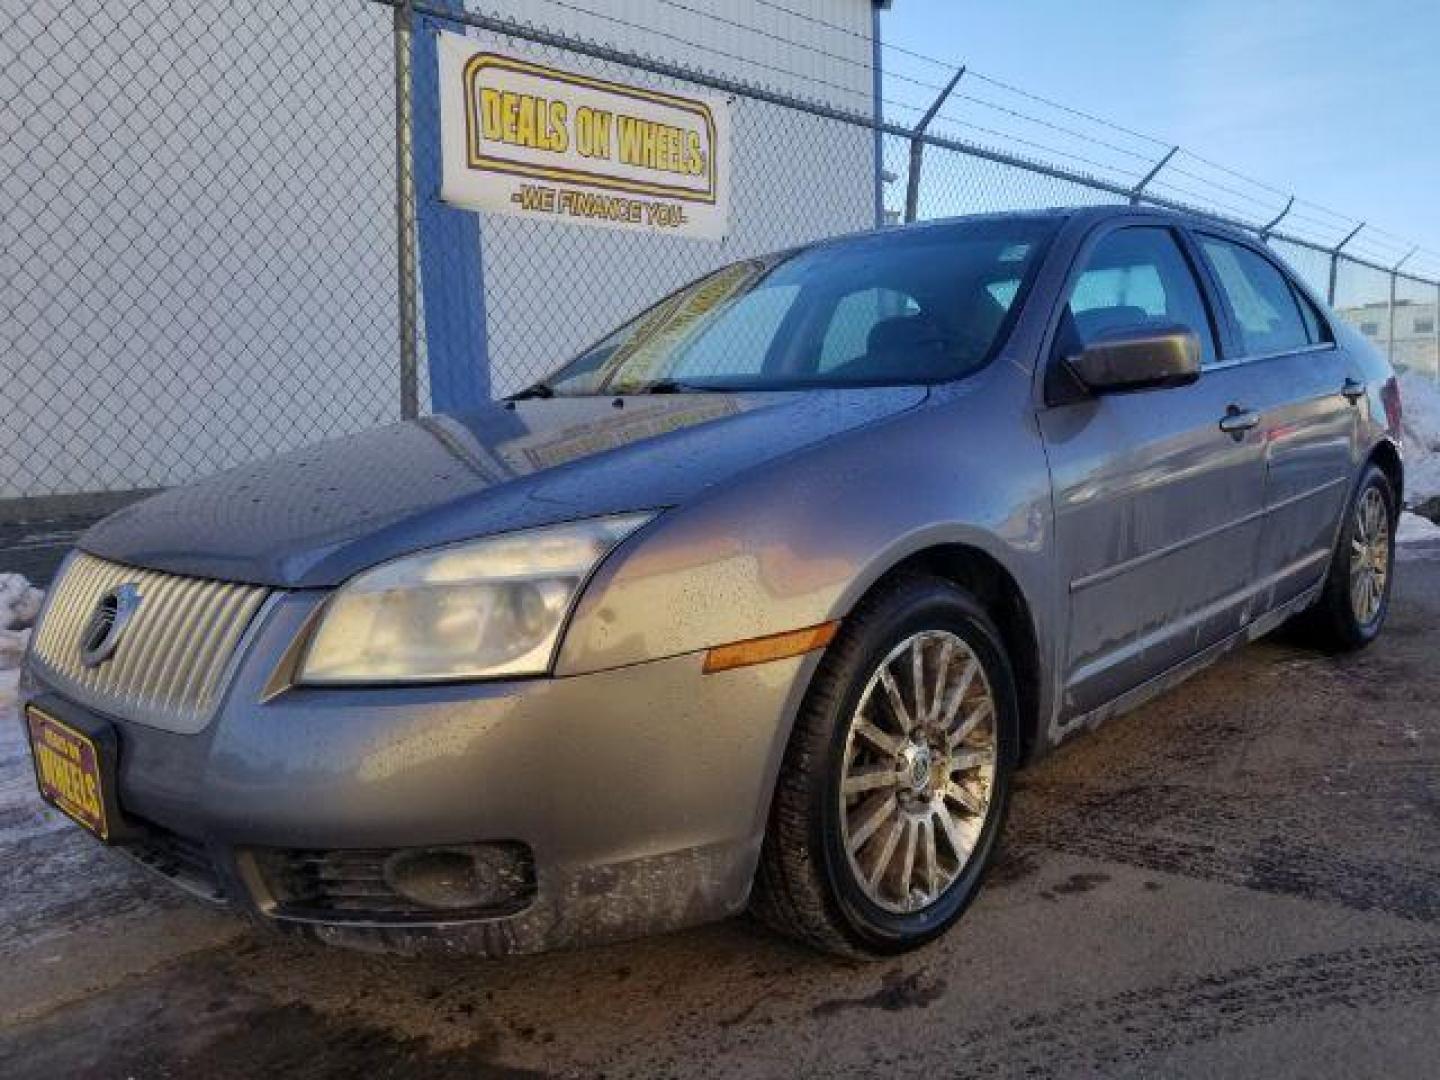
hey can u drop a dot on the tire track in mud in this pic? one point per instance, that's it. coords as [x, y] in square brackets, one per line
[1256, 841]
[1127, 1028]
[1272, 866]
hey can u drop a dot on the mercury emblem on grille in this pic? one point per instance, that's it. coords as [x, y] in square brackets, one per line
[102, 633]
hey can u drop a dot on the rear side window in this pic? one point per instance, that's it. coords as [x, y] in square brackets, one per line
[1137, 277]
[1261, 302]
[1315, 327]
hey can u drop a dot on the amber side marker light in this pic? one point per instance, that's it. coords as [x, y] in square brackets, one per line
[761, 650]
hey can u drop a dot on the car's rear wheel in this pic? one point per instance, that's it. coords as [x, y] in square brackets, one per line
[1352, 608]
[896, 779]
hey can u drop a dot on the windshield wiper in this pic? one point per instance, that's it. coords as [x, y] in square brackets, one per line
[676, 386]
[534, 390]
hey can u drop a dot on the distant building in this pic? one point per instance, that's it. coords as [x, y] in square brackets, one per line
[1417, 337]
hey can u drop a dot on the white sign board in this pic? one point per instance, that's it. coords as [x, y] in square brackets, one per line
[522, 138]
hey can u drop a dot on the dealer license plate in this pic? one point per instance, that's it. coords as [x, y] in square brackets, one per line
[67, 768]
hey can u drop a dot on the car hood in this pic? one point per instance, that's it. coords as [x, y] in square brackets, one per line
[313, 517]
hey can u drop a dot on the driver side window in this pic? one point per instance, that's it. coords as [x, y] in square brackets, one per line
[1136, 277]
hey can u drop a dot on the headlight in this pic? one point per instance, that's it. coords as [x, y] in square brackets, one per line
[483, 609]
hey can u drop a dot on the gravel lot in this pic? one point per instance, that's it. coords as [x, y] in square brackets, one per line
[1241, 879]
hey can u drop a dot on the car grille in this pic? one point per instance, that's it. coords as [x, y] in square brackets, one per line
[351, 886]
[170, 665]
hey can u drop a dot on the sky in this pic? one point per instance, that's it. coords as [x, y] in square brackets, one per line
[1335, 101]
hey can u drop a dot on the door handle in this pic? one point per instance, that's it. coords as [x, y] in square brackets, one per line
[1237, 421]
[1353, 390]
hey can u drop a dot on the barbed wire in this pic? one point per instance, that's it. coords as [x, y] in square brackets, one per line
[1006, 137]
[801, 77]
[1149, 159]
[867, 66]
[1252, 216]
[1341, 219]
[1197, 200]
[261, 314]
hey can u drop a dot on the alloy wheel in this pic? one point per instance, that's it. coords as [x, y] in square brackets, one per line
[1369, 556]
[919, 771]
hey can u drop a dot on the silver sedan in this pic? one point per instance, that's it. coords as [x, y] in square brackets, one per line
[760, 601]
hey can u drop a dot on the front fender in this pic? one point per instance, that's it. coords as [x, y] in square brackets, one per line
[799, 541]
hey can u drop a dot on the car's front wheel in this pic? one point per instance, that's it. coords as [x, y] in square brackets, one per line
[896, 779]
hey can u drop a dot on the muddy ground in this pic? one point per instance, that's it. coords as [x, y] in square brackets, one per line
[1241, 879]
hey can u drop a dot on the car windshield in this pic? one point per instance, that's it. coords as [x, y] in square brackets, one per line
[903, 307]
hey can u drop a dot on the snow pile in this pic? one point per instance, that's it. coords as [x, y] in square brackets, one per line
[1420, 401]
[1414, 529]
[19, 607]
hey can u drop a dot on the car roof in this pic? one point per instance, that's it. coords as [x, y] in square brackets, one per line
[1090, 214]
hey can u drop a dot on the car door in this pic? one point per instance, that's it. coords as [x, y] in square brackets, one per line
[1304, 390]
[1158, 494]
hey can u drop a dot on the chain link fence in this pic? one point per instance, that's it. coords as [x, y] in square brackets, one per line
[214, 242]
[196, 268]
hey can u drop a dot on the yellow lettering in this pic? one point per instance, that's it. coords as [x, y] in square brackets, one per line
[592, 132]
[525, 124]
[659, 146]
[629, 139]
[524, 120]
[534, 197]
[77, 785]
[490, 112]
[509, 110]
[558, 136]
[45, 758]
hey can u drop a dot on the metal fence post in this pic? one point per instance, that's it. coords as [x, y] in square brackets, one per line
[917, 148]
[1394, 280]
[1269, 226]
[1139, 189]
[1335, 261]
[405, 233]
[1390, 320]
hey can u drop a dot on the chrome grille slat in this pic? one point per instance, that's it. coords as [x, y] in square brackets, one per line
[128, 661]
[174, 653]
[145, 657]
[170, 668]
[203, 669]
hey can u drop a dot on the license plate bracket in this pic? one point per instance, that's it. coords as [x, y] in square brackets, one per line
[75, 769]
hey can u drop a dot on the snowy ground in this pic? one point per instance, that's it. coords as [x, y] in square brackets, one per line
[19, 606]
[1420, 401]
[22, 814]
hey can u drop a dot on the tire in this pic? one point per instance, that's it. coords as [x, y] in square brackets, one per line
[1337, 622]
[812, 882]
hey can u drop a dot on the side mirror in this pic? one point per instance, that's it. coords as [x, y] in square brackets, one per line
[1138, 358]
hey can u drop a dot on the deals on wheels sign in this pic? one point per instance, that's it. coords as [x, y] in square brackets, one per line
[522, 138]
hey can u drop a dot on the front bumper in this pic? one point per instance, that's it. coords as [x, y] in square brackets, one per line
[641, 792]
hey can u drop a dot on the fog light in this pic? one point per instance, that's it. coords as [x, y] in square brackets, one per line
[460, 878]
